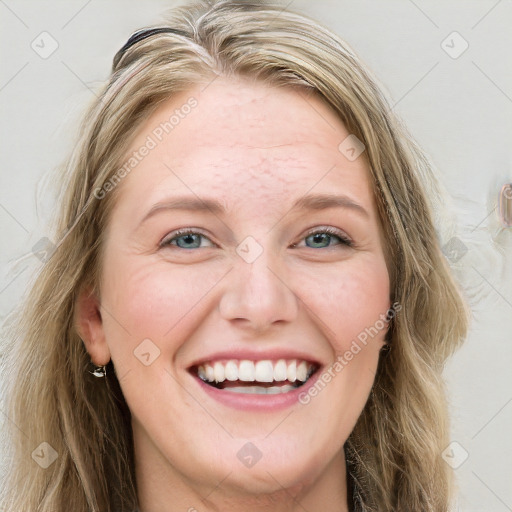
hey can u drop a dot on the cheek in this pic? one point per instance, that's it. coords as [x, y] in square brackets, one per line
[157, 298]
[349, 300]
[154, 300]
[351, 305]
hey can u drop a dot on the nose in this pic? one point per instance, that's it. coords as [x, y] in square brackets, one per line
[258, 295]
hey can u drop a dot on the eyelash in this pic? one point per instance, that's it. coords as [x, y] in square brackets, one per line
[345, 241]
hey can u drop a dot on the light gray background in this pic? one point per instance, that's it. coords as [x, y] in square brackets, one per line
[459, 109]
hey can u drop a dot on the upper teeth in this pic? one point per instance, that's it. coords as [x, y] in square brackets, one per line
[259, 371]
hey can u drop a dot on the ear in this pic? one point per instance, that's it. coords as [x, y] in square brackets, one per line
[394, 308]
[89, 326]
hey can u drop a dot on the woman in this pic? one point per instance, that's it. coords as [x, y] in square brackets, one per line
[247, 257]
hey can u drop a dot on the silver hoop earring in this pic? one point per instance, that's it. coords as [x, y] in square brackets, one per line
[98, 371]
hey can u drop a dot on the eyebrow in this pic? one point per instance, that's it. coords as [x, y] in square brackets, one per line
[310, 202]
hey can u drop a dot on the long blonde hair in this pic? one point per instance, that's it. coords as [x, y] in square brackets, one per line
[394, 452]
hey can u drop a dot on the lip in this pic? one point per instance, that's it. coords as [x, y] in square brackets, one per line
[255, 402]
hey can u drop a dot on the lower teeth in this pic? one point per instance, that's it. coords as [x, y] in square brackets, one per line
[258, 390]
[264, 389]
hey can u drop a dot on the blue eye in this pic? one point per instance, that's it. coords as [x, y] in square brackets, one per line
[321, 238]
[324, 236]
[185, 239]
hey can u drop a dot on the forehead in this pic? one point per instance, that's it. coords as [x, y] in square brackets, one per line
[245, 140]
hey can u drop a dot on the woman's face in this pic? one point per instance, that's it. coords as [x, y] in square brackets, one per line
[272, 282]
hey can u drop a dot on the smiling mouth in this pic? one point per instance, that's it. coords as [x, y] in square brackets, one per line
[255, 377]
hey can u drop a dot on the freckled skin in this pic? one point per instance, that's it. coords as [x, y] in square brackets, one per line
[256, 149]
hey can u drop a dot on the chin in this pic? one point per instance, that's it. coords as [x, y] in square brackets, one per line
[270, 480]
[271, 473]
